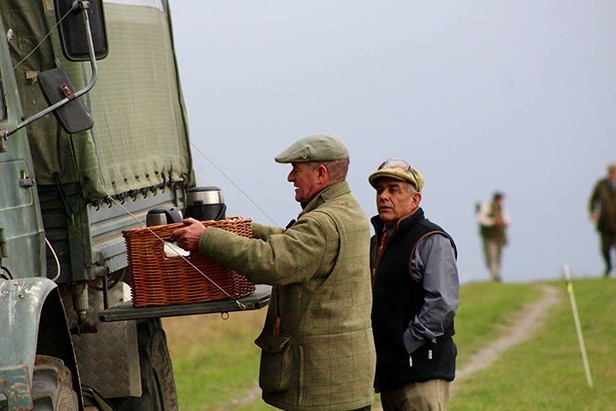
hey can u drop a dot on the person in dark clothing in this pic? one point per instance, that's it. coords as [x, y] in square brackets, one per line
[415, 294]
[602, 207]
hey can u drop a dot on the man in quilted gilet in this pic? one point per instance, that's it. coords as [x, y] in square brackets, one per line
[317, 344]
[415, 294]
[602, 207]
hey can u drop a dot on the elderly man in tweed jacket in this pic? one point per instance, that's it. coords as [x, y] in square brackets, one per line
[317, 345]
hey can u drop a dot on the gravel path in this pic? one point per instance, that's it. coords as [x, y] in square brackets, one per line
[251, 396]
[528, 321]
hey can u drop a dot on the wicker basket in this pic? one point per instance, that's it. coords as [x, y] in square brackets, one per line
[158, 280]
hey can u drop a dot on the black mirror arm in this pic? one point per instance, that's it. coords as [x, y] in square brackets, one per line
[84, 5]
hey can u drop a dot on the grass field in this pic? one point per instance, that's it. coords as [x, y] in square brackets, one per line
[546, 372]
[484, 313]
[216, 361]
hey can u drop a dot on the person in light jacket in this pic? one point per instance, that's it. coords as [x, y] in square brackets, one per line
[493, 223]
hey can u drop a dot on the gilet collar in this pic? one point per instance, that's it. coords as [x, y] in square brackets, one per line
[408, 220]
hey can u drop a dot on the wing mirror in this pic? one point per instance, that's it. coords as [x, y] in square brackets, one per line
[83, 37]
[74, 33]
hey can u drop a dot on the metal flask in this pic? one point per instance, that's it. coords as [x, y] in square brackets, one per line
[162, 216]
[205, 203]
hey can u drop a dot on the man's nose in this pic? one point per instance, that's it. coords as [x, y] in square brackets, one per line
[290, 177]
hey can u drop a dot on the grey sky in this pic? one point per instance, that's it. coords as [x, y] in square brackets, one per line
[517, 96]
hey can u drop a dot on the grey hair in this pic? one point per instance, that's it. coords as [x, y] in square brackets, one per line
[337, 169]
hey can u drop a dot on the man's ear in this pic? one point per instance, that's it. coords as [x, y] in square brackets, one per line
[322, 171]
[416, 198]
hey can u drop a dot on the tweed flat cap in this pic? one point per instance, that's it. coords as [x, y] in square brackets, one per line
[400, 170]
[611, 167]
[317, 147]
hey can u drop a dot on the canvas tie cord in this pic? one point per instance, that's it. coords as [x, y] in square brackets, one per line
[241, 306]
[233, 182]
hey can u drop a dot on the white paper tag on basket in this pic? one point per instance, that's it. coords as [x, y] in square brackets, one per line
[172, 250]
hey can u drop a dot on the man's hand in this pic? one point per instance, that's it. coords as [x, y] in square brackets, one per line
[188, 236]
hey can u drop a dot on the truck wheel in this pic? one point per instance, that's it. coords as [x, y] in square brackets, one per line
[157, 383]
[52, 388]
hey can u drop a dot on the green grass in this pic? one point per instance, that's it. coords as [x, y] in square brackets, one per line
[546, 372]
[215, 360]
[256, 406]
[485, 310]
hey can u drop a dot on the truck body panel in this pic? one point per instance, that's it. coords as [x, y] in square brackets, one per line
[21, 302]
[140, 137]
[20, 216]
[66, 198]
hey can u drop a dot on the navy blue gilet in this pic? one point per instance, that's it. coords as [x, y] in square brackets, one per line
[398, 298]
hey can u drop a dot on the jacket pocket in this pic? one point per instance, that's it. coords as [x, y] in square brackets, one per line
[276, 362]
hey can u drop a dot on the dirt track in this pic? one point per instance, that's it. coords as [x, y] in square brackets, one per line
[528, 321]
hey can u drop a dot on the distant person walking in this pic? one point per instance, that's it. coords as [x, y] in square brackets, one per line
[493, 222]
[416, 295]
[602, 207]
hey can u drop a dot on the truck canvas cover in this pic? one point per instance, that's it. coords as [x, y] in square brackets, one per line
[140, 137]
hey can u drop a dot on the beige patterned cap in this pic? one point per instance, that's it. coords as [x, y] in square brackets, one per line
[400, 170]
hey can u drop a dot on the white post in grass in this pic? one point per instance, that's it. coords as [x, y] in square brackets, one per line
[578, 327]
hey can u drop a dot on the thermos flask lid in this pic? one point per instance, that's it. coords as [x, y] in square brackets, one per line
[204, 196]
[156, 216]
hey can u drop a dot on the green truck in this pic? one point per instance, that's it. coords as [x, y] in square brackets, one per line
[115, 147]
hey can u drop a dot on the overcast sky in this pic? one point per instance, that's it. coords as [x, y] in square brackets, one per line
[518, 96]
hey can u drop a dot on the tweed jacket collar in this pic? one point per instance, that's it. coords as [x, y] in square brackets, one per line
[327, 194]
